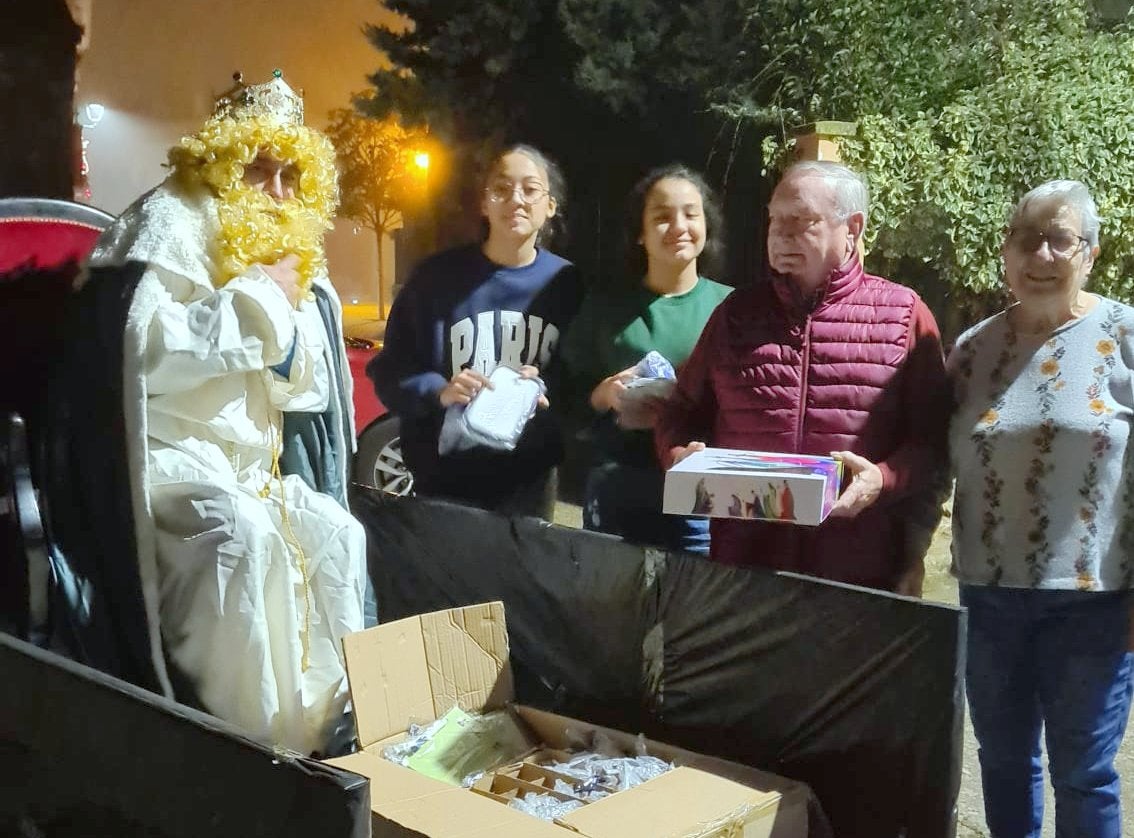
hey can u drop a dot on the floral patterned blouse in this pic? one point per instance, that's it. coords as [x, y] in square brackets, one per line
[1039, 446]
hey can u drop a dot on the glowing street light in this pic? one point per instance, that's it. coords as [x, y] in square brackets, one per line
[90, 115]
[421, 160]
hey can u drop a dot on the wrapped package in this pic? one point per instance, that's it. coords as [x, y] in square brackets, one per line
[654, 365]
[545, 806]
[496, 416]
[459, 744]
[653, 381]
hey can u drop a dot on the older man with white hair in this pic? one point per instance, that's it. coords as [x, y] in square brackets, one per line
[820, 357]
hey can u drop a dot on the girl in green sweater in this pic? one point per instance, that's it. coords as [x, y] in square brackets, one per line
[673, 221]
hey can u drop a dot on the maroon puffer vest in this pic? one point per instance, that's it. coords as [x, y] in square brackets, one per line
[790, 377]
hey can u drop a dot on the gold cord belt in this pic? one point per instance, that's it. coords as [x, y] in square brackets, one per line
[291, 540]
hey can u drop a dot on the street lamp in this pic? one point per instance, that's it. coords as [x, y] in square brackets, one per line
[421, 163]
[90, 115]
[86, 117]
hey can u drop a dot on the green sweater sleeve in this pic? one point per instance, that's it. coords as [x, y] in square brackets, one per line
[581, 362]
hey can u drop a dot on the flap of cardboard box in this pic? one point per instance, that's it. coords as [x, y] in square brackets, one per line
[430, 808]
[417, 669]
[682, 803]
[792, 812]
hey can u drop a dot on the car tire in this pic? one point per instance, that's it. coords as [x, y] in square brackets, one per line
[378, 462]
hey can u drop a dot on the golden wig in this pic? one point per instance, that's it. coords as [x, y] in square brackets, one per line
[254, 228]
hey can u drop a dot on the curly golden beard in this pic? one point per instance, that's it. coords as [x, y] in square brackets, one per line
[254, 228]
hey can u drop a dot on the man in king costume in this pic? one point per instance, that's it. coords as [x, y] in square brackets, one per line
[235, 402]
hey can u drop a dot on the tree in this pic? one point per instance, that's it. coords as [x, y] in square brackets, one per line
[648, 82]
[481, 73]
[460, 68]
[961, 106]
[455, 67]
[1044, 93]
[379, 176]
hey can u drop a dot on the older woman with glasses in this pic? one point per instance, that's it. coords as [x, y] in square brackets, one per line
[503, 302]
[1043, 523]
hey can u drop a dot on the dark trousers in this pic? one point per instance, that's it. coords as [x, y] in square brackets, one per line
[626, 500]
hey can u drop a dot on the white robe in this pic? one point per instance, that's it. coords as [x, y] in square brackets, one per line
[253, 580]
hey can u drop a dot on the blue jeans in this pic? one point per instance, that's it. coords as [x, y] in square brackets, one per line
[1057, 660]
[626, 500]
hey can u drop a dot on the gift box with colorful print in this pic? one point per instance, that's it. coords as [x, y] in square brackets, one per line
[755, 485]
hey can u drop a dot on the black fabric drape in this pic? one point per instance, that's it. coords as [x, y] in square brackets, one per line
[855, 692]
[88, 502]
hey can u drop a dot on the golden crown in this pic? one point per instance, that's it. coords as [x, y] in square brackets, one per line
[274, 99]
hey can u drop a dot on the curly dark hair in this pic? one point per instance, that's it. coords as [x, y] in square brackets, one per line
[555, 228]
[711, 258]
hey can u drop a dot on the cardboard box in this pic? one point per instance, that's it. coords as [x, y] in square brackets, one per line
[415, 670]
[755, 485]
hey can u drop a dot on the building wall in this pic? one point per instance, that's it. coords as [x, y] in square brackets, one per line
[156, 67]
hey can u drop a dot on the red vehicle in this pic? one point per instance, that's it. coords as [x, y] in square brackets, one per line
[41, 232]
[378, 461]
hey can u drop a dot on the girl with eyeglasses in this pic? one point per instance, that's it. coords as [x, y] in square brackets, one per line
[465, 311]
[673, 227]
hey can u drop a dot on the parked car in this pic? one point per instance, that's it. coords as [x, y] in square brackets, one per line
[378, 461]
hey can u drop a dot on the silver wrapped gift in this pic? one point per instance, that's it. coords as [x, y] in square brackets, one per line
[496, 416]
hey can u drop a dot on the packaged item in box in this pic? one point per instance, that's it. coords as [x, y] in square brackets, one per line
[419, 668]
[755, 485]
[460, 744]
[545, 806]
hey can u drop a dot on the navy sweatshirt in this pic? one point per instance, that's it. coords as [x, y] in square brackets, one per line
[459, 310]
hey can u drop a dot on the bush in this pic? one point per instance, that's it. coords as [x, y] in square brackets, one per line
[1057, 102]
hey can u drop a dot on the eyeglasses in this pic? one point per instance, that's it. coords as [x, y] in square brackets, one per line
[1062, 244]
[503, 191]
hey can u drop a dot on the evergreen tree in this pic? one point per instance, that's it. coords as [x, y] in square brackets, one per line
[962, 105]
[483, 73]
